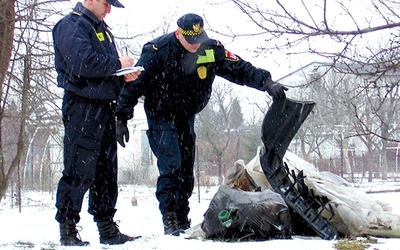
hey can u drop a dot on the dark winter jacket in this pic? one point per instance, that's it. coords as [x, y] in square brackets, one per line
[86, 56]
[176, 82]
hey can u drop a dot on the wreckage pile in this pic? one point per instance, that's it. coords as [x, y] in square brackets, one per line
[277, 194]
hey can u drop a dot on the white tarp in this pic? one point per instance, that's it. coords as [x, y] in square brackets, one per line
[356, 212]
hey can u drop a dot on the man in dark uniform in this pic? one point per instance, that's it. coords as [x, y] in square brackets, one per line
[180, 68]
[85, 60]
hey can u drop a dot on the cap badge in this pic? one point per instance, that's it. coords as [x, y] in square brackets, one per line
[196, 28]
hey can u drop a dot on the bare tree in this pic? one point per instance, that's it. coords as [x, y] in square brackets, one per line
[360, 42]
[7, 15]
[376, 114]
[29, 98]
[299, 27]
[217, 129]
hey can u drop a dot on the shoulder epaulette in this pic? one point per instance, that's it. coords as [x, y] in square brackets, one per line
[157, 45]
[160, 42]
[76, 13]
[213, 42]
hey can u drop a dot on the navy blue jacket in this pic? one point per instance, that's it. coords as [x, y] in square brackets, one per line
[176, 82]
[86, 56]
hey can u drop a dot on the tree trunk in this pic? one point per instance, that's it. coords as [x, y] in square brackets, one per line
[7, 20]
[220, 170]
[384, 166]
[21, 134]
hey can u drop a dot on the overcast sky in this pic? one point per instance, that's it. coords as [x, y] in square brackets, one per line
[141, 17]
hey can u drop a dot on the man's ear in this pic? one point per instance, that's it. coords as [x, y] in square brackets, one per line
[177, 34]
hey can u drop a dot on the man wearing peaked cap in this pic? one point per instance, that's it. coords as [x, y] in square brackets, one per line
[180, 68]
[86, 59]
[115, 3]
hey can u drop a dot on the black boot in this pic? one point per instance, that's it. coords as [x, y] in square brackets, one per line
[69, 235]
[183, 221]
[110, 234]
[171, 224]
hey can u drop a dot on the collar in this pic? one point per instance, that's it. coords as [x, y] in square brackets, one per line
[80, 8]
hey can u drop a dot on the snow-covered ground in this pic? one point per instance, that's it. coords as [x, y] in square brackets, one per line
[35, 228]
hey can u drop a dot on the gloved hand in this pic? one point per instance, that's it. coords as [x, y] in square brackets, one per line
[122, 131]
[275, 89]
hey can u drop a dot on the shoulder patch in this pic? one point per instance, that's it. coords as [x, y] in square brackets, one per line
[230, 56]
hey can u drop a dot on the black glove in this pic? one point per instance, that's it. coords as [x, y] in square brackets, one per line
[275, 89]
[122, 131]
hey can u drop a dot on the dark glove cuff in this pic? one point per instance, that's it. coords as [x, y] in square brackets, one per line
[267, 84]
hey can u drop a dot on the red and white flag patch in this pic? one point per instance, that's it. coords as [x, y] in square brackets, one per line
[230, 56]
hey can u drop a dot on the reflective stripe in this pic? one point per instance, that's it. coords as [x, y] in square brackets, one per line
[209, 57]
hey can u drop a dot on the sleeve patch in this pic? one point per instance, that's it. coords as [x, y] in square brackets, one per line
[230, 56]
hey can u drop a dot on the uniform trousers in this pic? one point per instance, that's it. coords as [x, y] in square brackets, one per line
[173, 143]
[90, 159]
